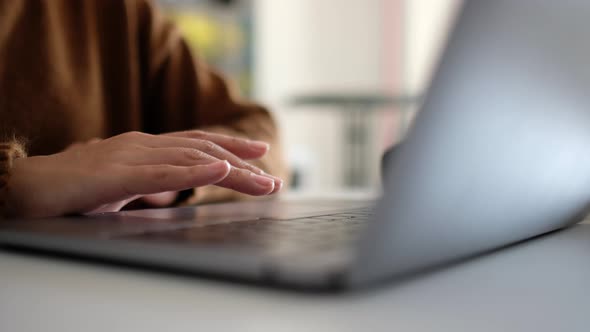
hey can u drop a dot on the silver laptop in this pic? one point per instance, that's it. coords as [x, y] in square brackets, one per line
[499, 153]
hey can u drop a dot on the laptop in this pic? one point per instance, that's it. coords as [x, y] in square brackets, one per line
[499, 153]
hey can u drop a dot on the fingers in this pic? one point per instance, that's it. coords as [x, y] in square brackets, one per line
[249, 183]
[185, 152]
[239, 179]
[145, 180]
[169, 156]
[188, 150]
[241, 147]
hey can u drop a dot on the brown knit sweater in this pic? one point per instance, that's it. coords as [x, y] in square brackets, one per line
[72, 70]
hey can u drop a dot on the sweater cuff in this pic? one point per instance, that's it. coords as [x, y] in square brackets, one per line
[9, 152]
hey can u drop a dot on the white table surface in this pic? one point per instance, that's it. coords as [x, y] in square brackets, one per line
[541, 285]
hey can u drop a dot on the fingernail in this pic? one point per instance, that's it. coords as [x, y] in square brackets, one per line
[259, 145]
[278, 181]
[264, 181]
[278, 185]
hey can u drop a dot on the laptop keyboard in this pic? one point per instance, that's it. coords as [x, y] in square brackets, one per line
[313, 233]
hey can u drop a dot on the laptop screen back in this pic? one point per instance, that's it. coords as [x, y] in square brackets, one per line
[500, 151]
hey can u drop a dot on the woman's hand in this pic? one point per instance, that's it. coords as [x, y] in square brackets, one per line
[104, 175]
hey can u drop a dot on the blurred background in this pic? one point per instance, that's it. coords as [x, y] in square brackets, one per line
[343, 77]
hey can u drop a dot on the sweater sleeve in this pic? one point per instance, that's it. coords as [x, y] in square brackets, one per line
[182, 92]
[9, 151]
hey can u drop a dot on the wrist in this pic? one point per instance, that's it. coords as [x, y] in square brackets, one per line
[31, 190]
